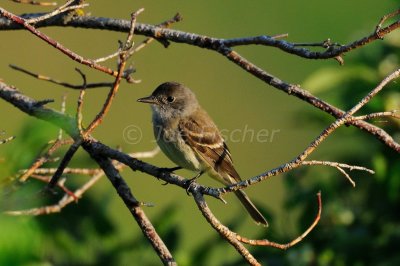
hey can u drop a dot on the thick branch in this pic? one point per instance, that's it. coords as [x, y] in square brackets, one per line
[133, 205]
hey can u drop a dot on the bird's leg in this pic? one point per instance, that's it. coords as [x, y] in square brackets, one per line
[191, 180]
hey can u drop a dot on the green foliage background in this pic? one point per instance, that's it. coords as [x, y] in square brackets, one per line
[359, 226]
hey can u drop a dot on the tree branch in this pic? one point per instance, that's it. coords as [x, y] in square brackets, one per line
[224, 47]
[222, 229]
[133, 205]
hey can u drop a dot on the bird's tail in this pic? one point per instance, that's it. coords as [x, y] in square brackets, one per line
[251, 208]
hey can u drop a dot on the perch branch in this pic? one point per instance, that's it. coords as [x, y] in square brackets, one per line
[315, 143]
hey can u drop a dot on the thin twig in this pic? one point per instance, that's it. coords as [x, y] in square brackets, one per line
[37, 3]
[67, 170]
[67, 199]
[57, 11]
[146, 154]
[325, 44]
[123, 57]
[265, 242]
[340, 166]
[80, 102]
[59, 184]
[383, 19]
[99, 117]
[346, 175]
[95, 174]
[393, 114]
[2, 141]
[55, 44]
[63, 103]
[221, 45]
[64, 84]
[43, 159]
[296, 162]
[165, 24]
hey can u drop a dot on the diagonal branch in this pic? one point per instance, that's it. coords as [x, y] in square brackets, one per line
[106, 106]
[222, 229]
[61, 83]
[43, 159]
[22, 22]
[134, 207]
[223, 46]
[296, 162]
[95, 175]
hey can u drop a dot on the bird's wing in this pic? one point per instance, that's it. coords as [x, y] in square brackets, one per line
[203, 136]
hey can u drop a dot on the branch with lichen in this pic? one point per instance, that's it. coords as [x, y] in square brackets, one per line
[98, 150]
[111, 161]
[222, 46]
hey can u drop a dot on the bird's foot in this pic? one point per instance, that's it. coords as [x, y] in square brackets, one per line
[191, 181]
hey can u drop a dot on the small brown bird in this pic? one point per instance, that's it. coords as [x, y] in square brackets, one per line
[189, 137]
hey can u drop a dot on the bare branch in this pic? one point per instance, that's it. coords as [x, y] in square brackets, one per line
[296, 162]
[340, 166]
[57, 11]
[63, 103]
[223, 46]
[146, 154]
[103, 155]
[80, 102]
[393, 114]
[2, 141]
[383, 20]
[99, 117]
[121, 67]
[43, 159]
[64, 163]
[265, 242]
[137, 212]
[65, 84]
[21, 21]
[222, 229]
[68, 198]
[37, 3]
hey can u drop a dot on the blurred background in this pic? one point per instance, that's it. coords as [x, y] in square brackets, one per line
[359, 226]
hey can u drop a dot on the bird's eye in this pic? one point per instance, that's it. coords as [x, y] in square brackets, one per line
[170, 99]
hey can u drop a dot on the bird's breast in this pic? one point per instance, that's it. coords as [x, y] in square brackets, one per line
[170, 141]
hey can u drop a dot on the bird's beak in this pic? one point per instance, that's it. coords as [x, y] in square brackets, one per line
[149, 99]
